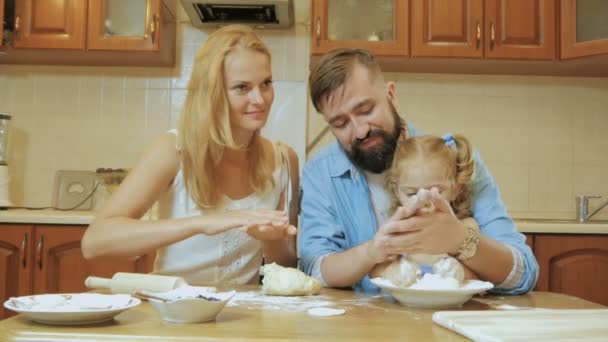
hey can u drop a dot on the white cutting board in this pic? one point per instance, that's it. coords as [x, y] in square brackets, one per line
[527, 325]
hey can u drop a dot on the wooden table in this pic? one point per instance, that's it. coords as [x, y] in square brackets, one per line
[367, 317]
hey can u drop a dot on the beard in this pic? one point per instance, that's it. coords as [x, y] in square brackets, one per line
[379, 157]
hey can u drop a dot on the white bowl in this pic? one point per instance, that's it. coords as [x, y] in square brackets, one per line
[192, 310]
[431, 298]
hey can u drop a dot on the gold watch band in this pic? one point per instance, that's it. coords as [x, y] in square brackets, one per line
[468, 248]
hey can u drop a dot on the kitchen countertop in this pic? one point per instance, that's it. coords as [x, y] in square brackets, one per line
[47, 216]
[551, 226]
[367, 318]
[75, 217]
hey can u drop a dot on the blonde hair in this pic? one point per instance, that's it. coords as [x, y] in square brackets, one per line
[458, 162]
[204, 127]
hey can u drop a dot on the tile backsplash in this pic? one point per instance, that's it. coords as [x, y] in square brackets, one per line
[543, 138]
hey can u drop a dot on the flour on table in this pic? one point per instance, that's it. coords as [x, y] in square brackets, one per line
[325, 312]
[259, 300]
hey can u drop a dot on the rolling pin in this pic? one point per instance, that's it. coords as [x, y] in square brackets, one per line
[129, 283]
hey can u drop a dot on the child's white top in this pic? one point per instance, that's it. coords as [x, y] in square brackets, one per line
[232, 257]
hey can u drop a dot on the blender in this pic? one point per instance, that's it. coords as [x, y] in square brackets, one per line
[4, 179]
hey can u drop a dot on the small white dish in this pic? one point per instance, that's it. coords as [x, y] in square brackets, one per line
[433, 298]
[192, 310]
[71, 309]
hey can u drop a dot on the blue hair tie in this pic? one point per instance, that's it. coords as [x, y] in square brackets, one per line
[424, 269]
[449, 140]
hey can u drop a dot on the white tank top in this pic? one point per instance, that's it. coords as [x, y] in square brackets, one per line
[232, 257]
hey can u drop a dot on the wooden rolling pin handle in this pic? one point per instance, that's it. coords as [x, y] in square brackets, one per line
[98, 283]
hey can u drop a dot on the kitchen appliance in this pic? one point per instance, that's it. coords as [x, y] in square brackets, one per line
[4, 176]
[260, 13]
[74, 190]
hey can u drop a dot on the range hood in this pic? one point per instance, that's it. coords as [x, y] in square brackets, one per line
[259, 13]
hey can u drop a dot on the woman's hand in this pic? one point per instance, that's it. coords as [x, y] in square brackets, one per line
[243, 219]
[270, 232]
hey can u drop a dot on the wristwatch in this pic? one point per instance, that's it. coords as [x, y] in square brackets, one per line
[468, 248]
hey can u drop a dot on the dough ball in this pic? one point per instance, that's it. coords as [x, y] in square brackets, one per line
[425, 259]
[449, 267]
[400, 272]
[283, 281]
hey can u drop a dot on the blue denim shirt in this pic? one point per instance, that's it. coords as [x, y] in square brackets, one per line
[337, 213]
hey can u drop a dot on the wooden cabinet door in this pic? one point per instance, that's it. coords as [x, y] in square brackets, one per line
[132, 25]
[59, 266]
[447, 28]
[520, 29]
[1, 21]
[584, 28]
[530, 241]
[380, 26]
[573, 264]
[15, 263]
[57, 24]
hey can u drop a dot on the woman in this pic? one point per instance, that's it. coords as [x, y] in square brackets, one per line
[222, 189]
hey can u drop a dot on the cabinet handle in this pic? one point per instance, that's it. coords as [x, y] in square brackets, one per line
[478, 32]
[153, 28]
[17, 27]
[24, 251]
[492, 36]
[40, 243]
[318, 31]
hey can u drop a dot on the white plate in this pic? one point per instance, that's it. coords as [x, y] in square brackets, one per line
[433, 299]
[78, 309]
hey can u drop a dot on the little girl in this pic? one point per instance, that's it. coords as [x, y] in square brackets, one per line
[422, 166]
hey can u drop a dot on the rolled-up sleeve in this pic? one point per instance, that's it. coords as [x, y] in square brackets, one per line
[321, 233]
[491, 214]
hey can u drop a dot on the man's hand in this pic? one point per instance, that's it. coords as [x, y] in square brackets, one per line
[379, 248]
[432, 232]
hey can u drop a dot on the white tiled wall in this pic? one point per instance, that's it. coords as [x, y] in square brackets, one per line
[82, 118]
[543, 138]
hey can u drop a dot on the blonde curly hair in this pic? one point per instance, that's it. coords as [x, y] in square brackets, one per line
[458, 162]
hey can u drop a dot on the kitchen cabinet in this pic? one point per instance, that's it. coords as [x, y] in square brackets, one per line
[584, 28]
[93, 32]
[382, 27]
[132, 25]
[48, 259]
[59, 24]
[1, 21]
[15, 263]
[494, 29]
[530, 241]
[573, 264]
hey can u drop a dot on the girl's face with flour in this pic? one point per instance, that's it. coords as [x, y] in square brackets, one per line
[418, 176]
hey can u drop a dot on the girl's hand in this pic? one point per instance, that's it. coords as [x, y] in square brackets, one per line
[270, 232]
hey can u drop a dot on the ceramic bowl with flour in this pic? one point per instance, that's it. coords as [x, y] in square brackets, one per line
[185, 305]
[433, 297]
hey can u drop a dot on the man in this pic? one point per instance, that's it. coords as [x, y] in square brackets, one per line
[344, 233]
